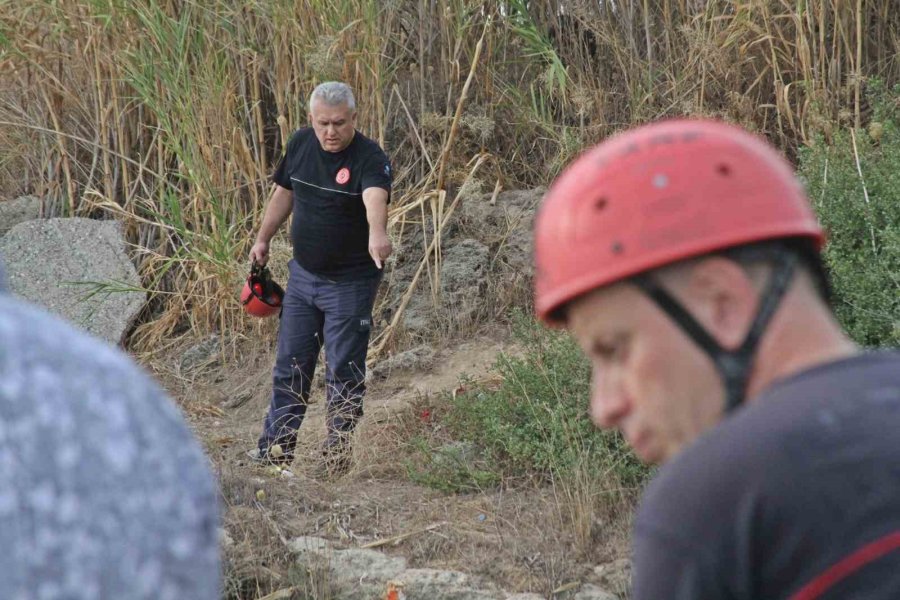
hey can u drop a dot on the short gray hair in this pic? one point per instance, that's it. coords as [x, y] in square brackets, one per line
[333, 93]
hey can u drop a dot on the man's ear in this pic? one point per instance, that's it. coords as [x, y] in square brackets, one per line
[723, 298]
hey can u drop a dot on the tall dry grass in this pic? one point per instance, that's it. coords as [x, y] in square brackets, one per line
[170, 114]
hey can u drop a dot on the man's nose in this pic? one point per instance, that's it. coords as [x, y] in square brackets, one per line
[608, 403]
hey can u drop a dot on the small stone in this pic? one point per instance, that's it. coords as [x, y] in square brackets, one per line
[305, 544]
[261, 495]
[200, 355]
[359, 564]
[225, 540]
[592, 592]
[615, 575]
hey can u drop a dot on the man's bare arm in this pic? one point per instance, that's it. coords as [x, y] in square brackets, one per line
[277, 211]
[375, 199]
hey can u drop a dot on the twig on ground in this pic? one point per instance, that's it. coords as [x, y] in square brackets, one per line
[399, 538]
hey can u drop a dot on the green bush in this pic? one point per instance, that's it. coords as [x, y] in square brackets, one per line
[534, 421]
[454, 467]
[863, 254]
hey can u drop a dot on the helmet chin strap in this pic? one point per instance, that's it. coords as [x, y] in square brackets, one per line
[733, 366]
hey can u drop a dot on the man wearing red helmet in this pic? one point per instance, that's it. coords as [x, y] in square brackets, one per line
[336, 182]
[684, 258]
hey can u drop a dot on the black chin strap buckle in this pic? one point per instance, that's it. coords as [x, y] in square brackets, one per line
[734, 366]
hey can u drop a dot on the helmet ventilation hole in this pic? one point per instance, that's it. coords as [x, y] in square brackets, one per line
[723, 170]
[601, 203]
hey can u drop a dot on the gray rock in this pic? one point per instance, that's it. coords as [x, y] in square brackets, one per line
[350, 574]
[517, 252]
[464, 277]
[592, 592]
[76, 268]
[358, 564]
[13, 212]
[433, 584]
[303, 544]
[418, 358]
[505, 226]
[491, 222]
[463, 270]
[483, 242]
[363, 574]
[615, 576]
[425, 578]
[419, 314]
[201, 355]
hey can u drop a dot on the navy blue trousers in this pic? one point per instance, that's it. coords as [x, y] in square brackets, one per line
[316, 312]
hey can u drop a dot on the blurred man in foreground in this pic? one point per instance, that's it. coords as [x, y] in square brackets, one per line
[104, 493]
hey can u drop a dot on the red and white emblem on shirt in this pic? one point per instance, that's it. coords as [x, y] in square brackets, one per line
[343, 176]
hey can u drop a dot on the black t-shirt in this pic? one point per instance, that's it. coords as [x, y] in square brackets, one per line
[330, 232]
[799, 491]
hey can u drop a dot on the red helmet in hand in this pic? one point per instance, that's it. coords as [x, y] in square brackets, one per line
[261, 297]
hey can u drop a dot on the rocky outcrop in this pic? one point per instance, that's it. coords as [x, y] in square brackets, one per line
[77, 268]
[365, 574]
[486, 254]
[505, 226]
[420, 358]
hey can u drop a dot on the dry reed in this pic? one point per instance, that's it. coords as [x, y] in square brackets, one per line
[170, 114]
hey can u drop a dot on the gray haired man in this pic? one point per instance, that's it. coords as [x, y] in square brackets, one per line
[336, 183]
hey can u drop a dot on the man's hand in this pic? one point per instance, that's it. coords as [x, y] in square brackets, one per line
[379, 247]
[259, 253]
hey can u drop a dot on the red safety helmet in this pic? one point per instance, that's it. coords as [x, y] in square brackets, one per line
[656, 195]
[261, 297]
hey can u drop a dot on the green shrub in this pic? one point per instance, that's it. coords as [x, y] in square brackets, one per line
[454, 467]
[863, 254]
[534, 421]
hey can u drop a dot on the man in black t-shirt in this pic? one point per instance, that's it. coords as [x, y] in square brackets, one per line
[685, 259]
[336, 182]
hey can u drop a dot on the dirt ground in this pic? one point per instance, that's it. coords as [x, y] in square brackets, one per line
[515, 537]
